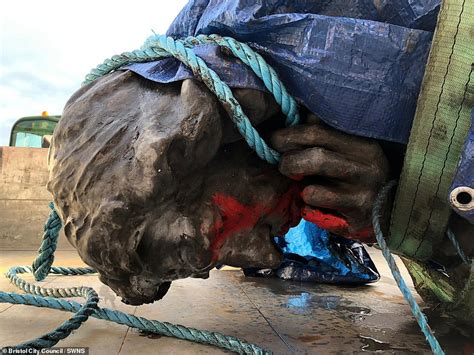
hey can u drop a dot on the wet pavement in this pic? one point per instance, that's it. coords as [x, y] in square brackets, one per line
[282, 316]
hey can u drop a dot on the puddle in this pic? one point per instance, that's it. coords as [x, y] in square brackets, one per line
[357, 317]
[356, 314]
[377, 346]
[280, 287]
[302, 301]
[371, 344]
[306, 303]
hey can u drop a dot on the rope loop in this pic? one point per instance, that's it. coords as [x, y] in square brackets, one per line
[45, 300]
[158, 47]
[259, 66]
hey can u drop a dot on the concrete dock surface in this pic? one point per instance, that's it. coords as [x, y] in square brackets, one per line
[283, 316]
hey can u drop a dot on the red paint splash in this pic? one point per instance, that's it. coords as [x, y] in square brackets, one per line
[337, 225]
[237, 217]
[325, 221]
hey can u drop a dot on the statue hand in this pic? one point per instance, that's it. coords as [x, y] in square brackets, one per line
[341, 175]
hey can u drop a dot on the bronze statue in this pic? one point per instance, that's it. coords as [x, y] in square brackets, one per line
[154, 184]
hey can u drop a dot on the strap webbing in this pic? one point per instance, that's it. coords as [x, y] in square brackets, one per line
[441, 123]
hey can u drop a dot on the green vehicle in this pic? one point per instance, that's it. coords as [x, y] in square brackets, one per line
[33, 131]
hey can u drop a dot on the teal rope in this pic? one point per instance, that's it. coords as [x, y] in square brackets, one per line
[42, 264]
[415, 309]
[157, 47]
[50, 339]
[256, 62]
[157, 327]
[90, 308]
[161, 328]
[456, 245]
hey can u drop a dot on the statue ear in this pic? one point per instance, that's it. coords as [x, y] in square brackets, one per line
[200, 129]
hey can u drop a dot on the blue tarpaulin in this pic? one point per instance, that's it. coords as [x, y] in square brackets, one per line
[358, 64]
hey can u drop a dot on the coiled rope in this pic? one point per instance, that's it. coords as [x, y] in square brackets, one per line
[157, 47]
[47, 297]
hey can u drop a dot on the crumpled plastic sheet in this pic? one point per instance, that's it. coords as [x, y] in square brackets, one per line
[465, 172]
[340, 59]
[311, 254]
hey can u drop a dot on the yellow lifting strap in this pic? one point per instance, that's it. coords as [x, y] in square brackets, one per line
[442, 120]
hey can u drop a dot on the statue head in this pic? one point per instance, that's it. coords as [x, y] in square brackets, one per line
[153, 184]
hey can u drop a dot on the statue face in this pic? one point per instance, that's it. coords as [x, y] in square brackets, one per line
[239, 204]
[151, 188]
